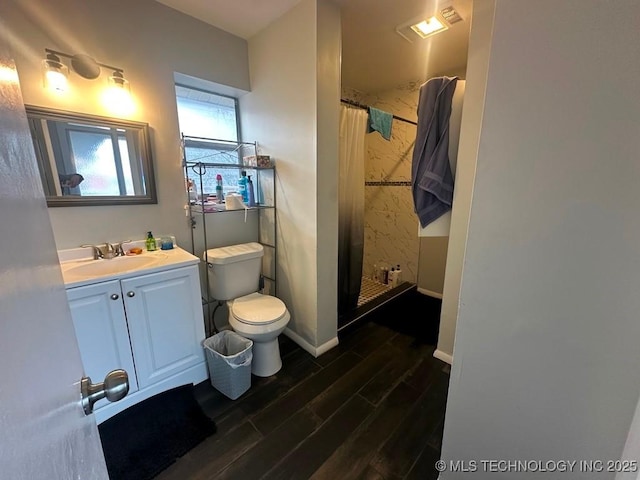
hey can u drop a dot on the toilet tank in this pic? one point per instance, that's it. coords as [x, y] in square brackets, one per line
[234, 271]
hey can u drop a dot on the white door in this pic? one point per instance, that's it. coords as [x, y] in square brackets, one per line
[45, 434]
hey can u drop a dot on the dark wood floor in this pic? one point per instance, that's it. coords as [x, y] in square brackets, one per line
[371, 408]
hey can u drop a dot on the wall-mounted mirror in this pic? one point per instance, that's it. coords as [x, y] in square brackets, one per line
[91, 160]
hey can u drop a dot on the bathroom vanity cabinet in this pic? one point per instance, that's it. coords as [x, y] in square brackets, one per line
[150, 325]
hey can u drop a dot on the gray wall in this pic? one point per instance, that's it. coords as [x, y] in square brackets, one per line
[474, 99]
[149, 41]
[292, 111]
[546, 350]
[432, 264]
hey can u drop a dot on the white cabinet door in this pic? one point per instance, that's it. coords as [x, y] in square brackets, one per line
[101, 329]
[166, 325]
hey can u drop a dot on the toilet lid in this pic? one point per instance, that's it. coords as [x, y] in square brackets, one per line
[258, 309]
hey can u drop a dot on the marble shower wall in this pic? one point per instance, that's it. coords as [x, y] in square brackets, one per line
[391, 226]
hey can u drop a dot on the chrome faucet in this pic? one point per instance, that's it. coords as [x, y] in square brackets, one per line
[107, 250]
[118, 251]
[97, 252]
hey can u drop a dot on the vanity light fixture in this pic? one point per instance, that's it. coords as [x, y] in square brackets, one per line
[117, 98]
[56, 72]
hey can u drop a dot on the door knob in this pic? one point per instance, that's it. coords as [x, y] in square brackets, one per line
[115, 387]
[115, 296]
[131, 294]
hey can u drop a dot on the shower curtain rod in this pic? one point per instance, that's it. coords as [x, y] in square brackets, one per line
[366, 107]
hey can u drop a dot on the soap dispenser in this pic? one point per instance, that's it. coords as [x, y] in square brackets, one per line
[151, 242]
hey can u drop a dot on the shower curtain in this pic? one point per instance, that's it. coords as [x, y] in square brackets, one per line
[353, 124]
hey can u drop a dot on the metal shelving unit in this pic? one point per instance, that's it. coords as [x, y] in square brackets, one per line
[205, 157]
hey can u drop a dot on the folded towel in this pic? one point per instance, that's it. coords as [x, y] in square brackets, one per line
[380, 121]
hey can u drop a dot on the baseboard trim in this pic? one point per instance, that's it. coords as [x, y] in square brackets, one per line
[430, 293]
[315, 351]
[445, 357]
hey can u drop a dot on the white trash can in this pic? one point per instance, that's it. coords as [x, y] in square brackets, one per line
[229, 358]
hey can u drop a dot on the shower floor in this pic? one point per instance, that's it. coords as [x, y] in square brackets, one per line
[371, 289]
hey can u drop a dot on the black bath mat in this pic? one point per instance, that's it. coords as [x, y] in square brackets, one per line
[146, 438]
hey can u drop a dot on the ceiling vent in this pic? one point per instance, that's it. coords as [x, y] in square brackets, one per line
[420, 27]
[450, 15]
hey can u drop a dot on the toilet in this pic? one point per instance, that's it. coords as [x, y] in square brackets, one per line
[234, 277]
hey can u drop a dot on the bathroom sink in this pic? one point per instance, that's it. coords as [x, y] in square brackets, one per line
[113, 266]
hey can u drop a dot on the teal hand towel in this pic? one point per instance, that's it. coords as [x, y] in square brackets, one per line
[380, 121]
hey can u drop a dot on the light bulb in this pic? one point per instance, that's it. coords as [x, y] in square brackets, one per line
[8, 74]
[56, 81]
[428, 27]
[55, 73]
[117, 97]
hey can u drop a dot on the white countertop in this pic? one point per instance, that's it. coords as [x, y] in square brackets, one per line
[79, 268]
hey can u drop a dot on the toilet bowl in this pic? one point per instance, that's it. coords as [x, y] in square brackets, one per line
[260, 318]
[234, 277]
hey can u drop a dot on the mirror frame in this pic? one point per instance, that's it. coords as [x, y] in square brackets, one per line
[145, 153]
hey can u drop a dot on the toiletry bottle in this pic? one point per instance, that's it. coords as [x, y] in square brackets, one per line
[193, 192]
[151, 242]
[398, 275]
[251, 197]
[242, 187]
[219, 193]
[392, 277]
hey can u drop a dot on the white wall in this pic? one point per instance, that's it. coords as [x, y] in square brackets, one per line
[546, 351]
[149, 41]
[328, 52]
[286, 113]
[477, 66]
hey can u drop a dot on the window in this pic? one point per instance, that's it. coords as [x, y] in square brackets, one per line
[213, 118]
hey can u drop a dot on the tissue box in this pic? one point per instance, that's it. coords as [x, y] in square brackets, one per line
[257, 161]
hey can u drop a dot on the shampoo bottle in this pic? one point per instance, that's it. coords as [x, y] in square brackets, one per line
[398, 275]
[151, 242]
[242, 187]
[251, 196]
[392, 277]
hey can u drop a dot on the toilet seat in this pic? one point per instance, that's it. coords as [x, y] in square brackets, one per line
[258, 309]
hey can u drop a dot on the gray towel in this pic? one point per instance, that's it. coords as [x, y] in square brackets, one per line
[431, 178]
